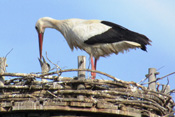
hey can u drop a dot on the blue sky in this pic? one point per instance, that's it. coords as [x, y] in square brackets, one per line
[153, 18]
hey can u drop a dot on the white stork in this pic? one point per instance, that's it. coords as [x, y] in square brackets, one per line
[98, 38]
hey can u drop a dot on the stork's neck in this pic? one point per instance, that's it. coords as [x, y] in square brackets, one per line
[60, 25]
[48, 22]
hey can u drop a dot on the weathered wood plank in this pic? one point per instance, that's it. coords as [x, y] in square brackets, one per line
[152, 77]
[81, 65]
[81, 104]
[2, 70]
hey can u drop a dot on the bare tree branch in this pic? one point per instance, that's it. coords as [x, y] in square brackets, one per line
[57, 72]
[8, 53]
[147, 76]
[160, 78]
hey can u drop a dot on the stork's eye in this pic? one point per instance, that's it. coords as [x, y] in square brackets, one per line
[36, 28]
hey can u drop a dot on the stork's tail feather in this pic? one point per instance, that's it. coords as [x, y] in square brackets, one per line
[143, 40]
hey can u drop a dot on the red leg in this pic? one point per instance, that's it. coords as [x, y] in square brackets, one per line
[95, 65]
[93, 68]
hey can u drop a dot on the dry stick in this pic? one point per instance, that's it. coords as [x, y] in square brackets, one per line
[121, 101]
[8, 53]
[15, 87]
[38, 76]
[91, 82]
[60, 71]
[86, 82]
[98, 82]
[71, 70]
[27, 76]
[157, 95]
[57, 67]
[166, 85]
[52, 94]
[108, 94]
[172, 91]
[142, 104]
[144, 78]
[17, 96]
[127, 102]
[32, 75]
[26, 87]
[160, 78]
[169, 114]
[20, 75]
[101, 95]
[141, 95]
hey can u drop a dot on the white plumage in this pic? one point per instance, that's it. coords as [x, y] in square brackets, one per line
[96, 37]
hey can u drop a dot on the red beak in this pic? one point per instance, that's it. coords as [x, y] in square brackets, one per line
[40, 43]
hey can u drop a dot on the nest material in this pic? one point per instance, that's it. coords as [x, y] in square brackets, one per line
[83, 95]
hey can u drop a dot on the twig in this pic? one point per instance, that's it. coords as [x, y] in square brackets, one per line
[142, 80]
[147, 76]
[159, 78]
[72, 70]
[45, 76]
[57, 67]
[52, 94]
[160, 68]
[166, 85]
[171, 114]
[8, 53]
[172, 91]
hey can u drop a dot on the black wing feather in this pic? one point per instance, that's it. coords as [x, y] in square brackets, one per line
[118, 33]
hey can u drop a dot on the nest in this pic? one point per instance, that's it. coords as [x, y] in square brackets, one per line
[115, 96]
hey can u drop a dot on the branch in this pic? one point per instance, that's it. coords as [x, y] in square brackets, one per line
[144, 78]
[72, 70]
[8, 53]
[45, 76]
[159, 78]
[57, 67]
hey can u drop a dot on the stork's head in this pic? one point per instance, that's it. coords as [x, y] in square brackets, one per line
[41, 24]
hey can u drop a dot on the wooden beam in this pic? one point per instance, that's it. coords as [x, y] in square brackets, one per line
[2, 70]
[81, 74]
[81, 65]
[152, 77]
